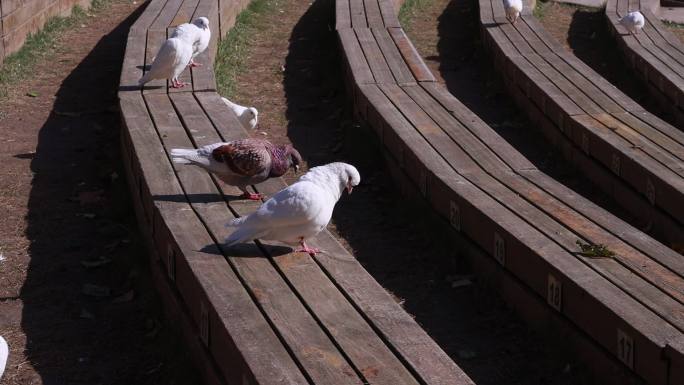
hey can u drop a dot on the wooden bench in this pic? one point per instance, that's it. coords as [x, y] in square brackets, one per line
[520, 226]
[258, 314]
[629, 153]
[654, 53]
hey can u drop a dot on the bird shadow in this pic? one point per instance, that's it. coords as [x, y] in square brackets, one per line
[195, 198]
[28, 155]
[129, 88]
[250, 250]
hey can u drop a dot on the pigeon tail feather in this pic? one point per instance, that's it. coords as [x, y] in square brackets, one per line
[180, 160]
[186, 156]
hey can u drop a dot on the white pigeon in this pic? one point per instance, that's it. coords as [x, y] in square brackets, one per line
[633, 21]
[248, 116]
[199, 33]
[513, 9]
[172, 58]
[300, 211]
[4, 353]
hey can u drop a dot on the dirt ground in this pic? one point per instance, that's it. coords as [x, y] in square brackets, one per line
[76, 301]
[295, 82]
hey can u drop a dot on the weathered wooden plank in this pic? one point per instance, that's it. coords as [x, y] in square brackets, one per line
[650, 139]
[661, 126]
[237, 328]
[453, 132]
[467, 150]
[358, 14]
[184, 15]
[351, 333]
[654, 22]
[411, 56]
[373, 15]
[133, 62]
[478, 127]
[342, 14]
[389, 14]
[376, 60]
[603, 333]
[376, 363]
[586, 86]
[563, 84]
[166, 15]
[355, 58]
[660, 186]
[365, 349]
[402, 73]
[293, 321]
[147, 17]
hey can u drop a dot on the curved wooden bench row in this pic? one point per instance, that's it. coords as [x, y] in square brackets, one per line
[630, 304]
[654, 53]
[632, 155]
[258, 314]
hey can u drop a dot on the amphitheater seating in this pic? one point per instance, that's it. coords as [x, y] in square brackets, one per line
[628, 305]
[257, 314]
[632, 155]
[655, 54]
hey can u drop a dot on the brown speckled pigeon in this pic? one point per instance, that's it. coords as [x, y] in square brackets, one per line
[242, 162]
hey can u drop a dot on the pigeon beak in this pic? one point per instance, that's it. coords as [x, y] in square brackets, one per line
[349, 188]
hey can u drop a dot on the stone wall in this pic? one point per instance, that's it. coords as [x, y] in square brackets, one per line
[19, 18]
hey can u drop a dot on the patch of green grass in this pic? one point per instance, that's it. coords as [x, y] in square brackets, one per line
[594, 251]
[409, 9]
[671, 24]
[539, 10]
[20, 64]
[233, 49]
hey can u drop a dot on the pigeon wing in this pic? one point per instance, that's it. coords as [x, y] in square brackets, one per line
[244, 157]
[299, 205]
[163, 64]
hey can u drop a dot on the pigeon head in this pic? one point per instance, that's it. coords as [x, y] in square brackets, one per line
[283, 157]
[350, 176]
[201, 22]
[252, 116]
[345, 174]
[294, 158]
[334, 177]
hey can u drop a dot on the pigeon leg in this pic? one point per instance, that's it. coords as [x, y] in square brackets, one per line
[177, 84]
[251, 196]
[195, 64]
[248, 195]
[306, 249]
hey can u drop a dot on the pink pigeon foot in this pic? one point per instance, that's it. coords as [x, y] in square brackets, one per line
[194, 64]
[251, 196]
[307, 249]
[179, 84]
